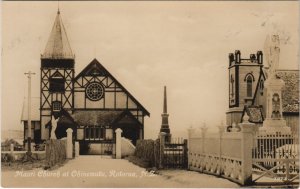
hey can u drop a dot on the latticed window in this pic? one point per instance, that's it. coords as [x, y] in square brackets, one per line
[249, 81]
[56, 106]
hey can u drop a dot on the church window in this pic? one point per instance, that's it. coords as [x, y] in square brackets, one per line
[57, 83]
[56, 106]
[232, 86]
[249, 81]
[94, 91]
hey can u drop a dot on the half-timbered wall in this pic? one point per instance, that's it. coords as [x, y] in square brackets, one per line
[47, 97]
[114, 97]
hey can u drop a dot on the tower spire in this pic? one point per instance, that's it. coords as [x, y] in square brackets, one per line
[58, 46]
[58, 12]
[165, 118]
[165, 100]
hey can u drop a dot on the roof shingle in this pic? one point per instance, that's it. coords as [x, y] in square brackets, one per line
[290, 92]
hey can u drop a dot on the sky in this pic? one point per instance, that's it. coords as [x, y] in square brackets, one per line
[147, 45]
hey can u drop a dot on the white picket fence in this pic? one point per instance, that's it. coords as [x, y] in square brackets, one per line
[225, 154]
[244, 155]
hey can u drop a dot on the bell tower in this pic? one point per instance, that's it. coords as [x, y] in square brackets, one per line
[244, 75]
[57, 73]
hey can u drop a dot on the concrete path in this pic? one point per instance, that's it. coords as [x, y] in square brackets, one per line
[99, 171]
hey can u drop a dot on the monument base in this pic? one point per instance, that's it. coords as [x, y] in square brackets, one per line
[275, 126]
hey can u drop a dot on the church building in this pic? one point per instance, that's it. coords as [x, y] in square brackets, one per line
[247, 93]
[93, 103]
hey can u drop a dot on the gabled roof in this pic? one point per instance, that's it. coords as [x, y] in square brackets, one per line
[35, 109]
[290, 92]
[95, 65]
[58, 46]
[126, 117]
[88, 118]
[102, 117]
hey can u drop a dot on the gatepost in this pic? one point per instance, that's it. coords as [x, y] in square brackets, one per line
[69, 148]
[247, 129]
[118, 143]
[162, 137]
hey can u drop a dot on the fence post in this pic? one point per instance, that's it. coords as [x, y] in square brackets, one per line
[118, 143]
[203, 133]
[12, 151]
[221, 131]
[185, 153]
[11, 148]
[162, 138]
[76, 149]
[191, 130]
[247, 145]
[69, 143]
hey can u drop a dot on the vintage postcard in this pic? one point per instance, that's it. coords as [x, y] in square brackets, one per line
[149, 94]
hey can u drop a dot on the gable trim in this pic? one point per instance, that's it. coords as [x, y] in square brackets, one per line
[97, 63]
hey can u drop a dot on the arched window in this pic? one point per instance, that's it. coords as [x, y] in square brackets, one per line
[231, 86]
[249, 81]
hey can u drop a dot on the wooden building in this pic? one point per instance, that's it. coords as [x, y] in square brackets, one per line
[93, 103]
[35, 120]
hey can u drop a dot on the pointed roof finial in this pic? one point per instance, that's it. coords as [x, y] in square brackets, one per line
[165, 99]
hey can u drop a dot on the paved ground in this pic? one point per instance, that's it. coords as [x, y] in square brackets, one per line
[97, 171]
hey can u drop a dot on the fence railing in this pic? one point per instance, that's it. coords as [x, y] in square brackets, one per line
[8, 156]
[226, 154]
[161, 154]
[276, 156]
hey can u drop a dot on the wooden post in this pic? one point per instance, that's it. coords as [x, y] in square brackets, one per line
[29, 112]
[69, 144]
[247, 140]
[161, 149]
[185, 153]
[76, 149]
[203, 133]
[11, 148]
[118, 143]
[12, 151]
[221, 131]
[191, 130]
